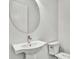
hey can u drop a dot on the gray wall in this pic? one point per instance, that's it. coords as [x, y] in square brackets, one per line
[64, 24]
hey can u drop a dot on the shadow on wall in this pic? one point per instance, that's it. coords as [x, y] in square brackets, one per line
[64, 24]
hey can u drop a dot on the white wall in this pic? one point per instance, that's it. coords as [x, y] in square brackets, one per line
[47, 30]
[64, 24]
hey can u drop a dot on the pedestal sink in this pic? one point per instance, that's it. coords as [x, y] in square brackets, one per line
[27, 49]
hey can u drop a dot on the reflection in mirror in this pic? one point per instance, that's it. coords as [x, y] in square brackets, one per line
[25, 17]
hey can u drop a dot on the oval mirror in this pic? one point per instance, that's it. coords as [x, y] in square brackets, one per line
[25, 15]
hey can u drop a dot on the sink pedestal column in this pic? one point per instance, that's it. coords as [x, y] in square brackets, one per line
[30, 56]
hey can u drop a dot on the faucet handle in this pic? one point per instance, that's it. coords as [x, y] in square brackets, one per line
[29, 37]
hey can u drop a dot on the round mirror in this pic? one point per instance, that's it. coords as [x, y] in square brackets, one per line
[25, 15]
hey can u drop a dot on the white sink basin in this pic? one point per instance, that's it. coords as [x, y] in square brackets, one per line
[24, 47]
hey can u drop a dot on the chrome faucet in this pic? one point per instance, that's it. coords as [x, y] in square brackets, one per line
[29, 39]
